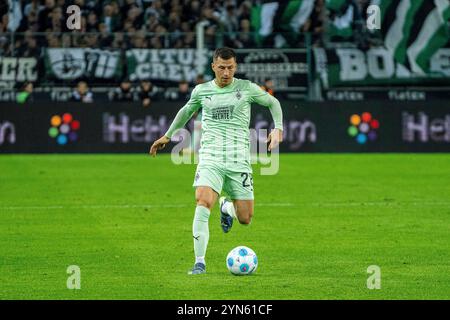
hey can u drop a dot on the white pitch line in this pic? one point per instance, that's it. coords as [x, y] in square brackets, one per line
[126, 206]
[274, 204]
[381, 203]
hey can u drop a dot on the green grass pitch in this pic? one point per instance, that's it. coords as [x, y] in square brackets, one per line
[126, 221]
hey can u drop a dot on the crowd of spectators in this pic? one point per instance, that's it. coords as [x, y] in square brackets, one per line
[122, 24]
[28, 26]
[146, 92]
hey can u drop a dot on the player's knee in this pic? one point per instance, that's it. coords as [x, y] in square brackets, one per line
[246, 219]
[205, 198]
[204, 203]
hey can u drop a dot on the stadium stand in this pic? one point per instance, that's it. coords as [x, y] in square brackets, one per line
[338, 56]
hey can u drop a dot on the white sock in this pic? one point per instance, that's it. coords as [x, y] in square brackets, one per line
[200, 231]
[200, 260]
[229, 208]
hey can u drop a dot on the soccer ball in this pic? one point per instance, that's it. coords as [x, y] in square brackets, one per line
[242, 261]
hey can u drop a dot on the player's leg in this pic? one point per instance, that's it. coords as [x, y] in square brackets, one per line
[239, 187]
[244, 211]
[208, 183]
[227, 214]
[205, 196]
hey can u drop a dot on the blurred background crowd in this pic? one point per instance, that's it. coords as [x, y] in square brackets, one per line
[123, 24]
[111, 29]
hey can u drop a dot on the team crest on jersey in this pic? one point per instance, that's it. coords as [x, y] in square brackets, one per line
[197, 176]
[238, 94]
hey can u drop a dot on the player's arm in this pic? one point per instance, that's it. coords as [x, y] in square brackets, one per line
[182, 117]
[263, 98]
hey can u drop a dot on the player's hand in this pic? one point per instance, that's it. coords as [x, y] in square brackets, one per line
[158, 145]
[274, 139]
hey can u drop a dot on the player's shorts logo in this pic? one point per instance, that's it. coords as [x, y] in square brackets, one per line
[64, 128]
[363, 127]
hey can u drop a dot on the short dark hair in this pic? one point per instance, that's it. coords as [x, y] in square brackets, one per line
[224, 53]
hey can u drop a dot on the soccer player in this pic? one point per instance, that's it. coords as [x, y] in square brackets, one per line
[224, 155]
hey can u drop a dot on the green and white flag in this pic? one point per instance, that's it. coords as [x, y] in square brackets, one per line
[414, 30]
[297, 13]
[293, 15]
[433, 35]
[342, 25]
[336, 5]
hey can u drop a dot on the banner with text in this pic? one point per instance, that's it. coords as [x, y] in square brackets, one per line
[309, 127]
[70, 64]
[376, 67]
[288, 68]
[173, 65]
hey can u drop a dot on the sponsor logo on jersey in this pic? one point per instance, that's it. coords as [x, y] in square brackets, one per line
[222, 112]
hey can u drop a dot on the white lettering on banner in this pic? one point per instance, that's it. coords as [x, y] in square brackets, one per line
[18, 69]
[7, 90]
[407, 95]
[441, 62]
[287, 68]
[60, 94]
[425, 129]
[120, 129]
[8, 95]
[73, 63]
[166, 64]
[379, 64]
[257, 66]
[345, 95]
[353, 66]
[7, 133]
